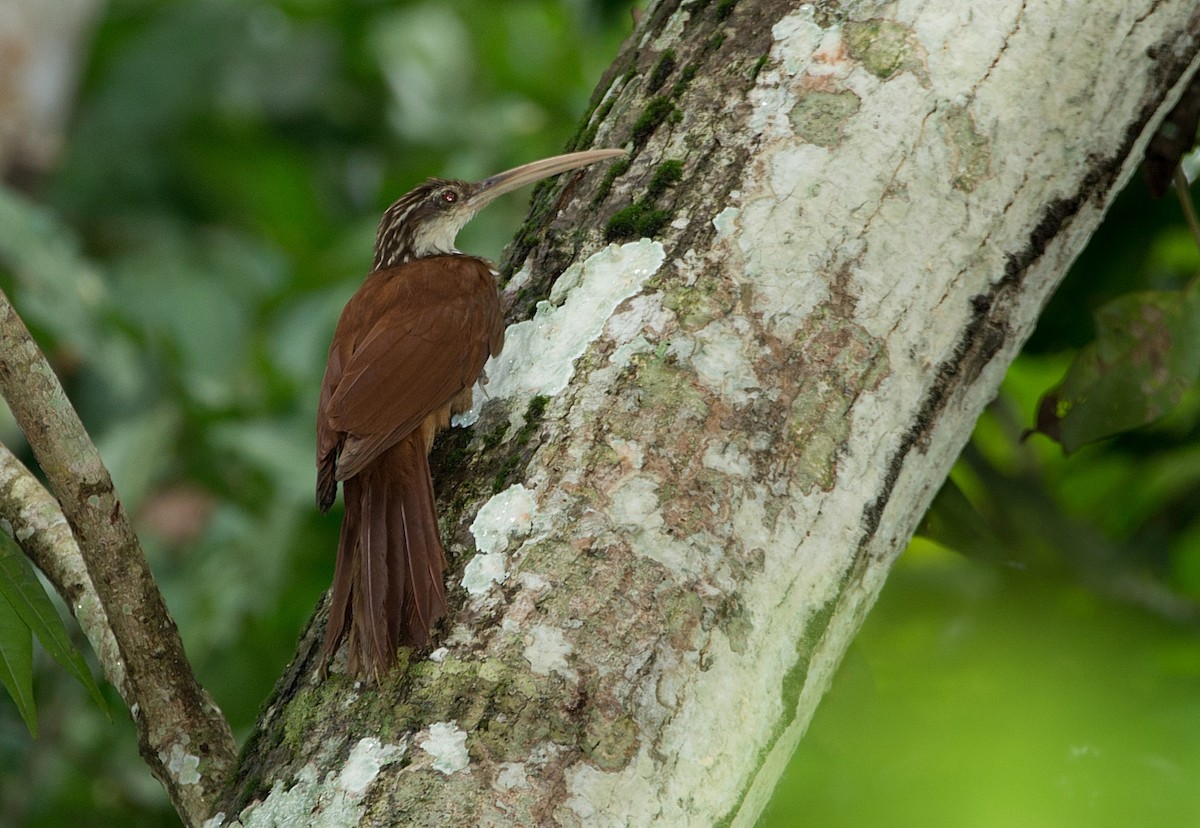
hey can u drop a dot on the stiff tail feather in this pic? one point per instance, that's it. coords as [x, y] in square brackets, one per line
[387, 584]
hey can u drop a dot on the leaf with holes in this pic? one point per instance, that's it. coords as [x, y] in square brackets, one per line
[1146, 354]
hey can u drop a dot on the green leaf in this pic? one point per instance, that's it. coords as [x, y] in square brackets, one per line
[1145, 356]
[16, 663]
[953, 522]
[22, 590]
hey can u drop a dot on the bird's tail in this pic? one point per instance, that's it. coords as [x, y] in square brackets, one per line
[387, 583]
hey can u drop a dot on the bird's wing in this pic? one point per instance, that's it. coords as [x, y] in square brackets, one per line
[410, 340]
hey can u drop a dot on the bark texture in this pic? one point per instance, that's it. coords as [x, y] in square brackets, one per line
[742, 365]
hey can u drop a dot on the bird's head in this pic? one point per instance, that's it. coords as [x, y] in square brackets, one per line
[426, 220]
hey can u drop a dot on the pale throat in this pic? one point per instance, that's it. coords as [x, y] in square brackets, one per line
[436, 236]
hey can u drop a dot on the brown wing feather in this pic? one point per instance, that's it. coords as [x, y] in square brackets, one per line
[425, 330]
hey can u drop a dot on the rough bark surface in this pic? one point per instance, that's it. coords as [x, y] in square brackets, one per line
[745, 361]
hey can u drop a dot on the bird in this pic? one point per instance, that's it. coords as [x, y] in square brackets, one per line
[408, 348]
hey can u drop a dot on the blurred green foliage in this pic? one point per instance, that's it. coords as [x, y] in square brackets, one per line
[184, 267]
[983, 697]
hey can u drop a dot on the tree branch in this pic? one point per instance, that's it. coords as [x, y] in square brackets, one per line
[42, 531]
[182, 735]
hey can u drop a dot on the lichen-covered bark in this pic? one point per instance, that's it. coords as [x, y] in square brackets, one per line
[741, 365]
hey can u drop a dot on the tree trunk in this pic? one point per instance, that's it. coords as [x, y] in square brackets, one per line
[40, 52]
[746, 361]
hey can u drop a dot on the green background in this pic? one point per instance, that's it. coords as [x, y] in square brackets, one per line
[225, 168]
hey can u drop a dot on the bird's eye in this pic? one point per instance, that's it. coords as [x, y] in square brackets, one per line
[449, 196]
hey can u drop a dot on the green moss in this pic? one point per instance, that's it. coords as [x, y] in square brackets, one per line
[615, 170]
[302, 713]
[665, 175]
[587, 134]
[758, 65]
[685, 78]
[643, 218]
[623, 223]
[662, 69]
[635, 221]
[656, 111]
[493, 437]
[453, 447]
[714, 42]
[500, 479]
[533, 420]
[537, 407]
[252, 789]
[725, 8]
[540, 205]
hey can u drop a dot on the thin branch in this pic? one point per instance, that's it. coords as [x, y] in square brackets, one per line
[182, 735]
[42, 531]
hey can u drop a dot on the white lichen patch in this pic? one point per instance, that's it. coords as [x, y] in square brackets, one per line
[511, 775]
[298, 805]
[671, 32]
[504, 516]
[547, 650]
[726, 222]
[484, 570]
[634, 507]
[727, 459]
[183, 766]
[539, 354]
[642, 313]
[722, 359]
[595, 793]
[366, 759]
[534, 582]
[797, 37]
[507, 515]
[628, 452]
[333, 802]
[446, 744]
[626, 351]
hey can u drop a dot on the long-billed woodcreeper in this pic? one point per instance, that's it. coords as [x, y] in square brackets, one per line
[408, 348]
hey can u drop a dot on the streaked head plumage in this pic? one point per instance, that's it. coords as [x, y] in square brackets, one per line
[426, 220]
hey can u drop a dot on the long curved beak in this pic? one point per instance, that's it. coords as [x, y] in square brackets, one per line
[509, 180]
